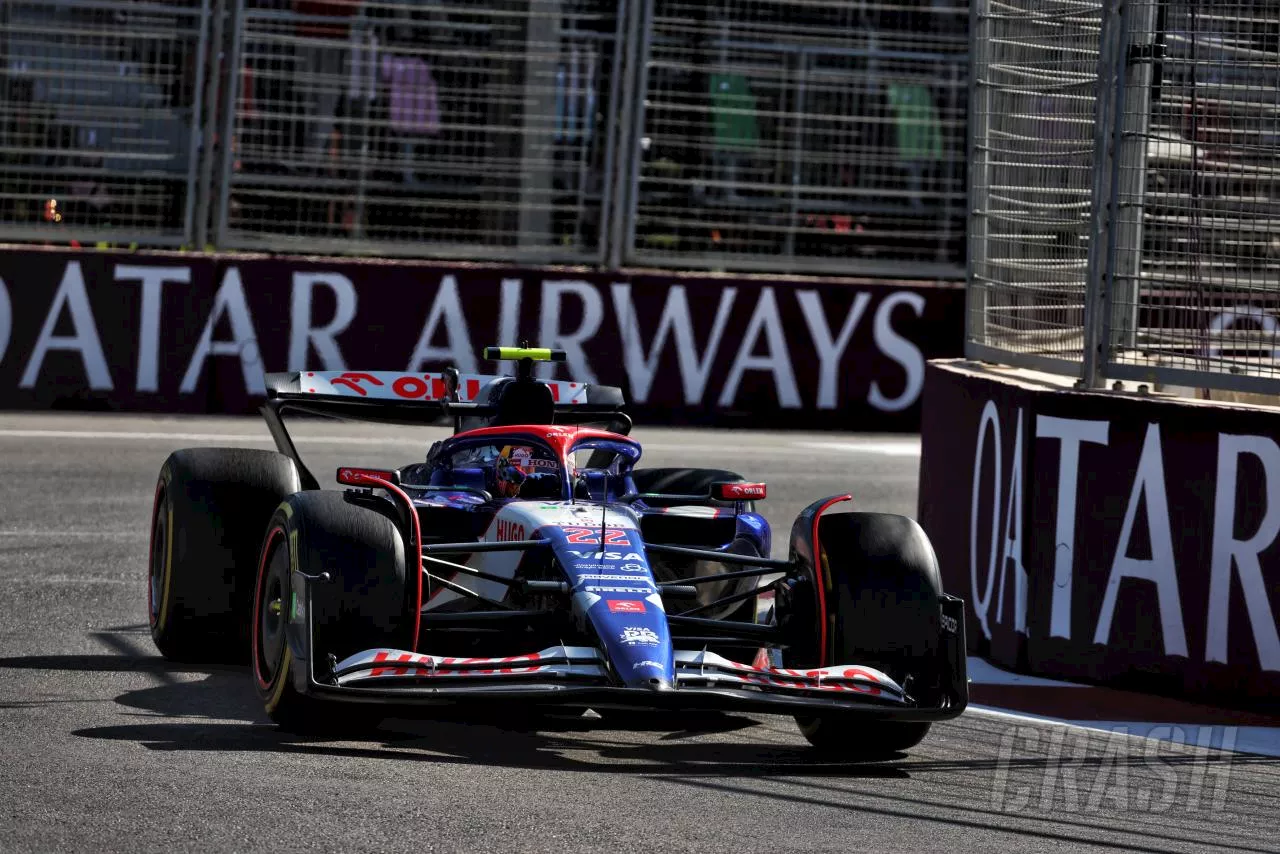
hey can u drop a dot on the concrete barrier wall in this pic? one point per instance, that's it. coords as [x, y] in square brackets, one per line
[1120, 539]
[184, 333]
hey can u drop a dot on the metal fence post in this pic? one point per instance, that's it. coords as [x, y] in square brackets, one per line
[537, 155]
[637, 148]
[230, 97]
[609, 184]
[1133, 111]
[207, 116]
[631, 126]
[1117, 253]
[1110, 60]
[205, 46]
[978, 147]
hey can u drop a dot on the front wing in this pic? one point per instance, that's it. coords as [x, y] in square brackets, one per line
[569, 675]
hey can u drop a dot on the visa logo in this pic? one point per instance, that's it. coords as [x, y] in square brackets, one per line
[619, 556]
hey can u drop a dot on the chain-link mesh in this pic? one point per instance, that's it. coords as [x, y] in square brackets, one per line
[100, 98]
[805, 136]
[1035, 79]
[1197, 283]
[423, 127]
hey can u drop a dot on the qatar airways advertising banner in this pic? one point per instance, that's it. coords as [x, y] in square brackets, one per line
[179, 333]
[1128, 540]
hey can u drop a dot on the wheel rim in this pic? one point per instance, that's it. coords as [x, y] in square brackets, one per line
[158, 565]
[271, 610]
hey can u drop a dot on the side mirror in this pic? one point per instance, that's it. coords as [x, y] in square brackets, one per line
[352, 476]
[739, 491]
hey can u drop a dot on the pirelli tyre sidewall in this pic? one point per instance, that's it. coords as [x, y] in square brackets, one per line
[330, 574]
[882, 587]
[271, 656]
[210, 509]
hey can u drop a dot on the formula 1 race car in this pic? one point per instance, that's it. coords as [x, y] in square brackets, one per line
[528, 562]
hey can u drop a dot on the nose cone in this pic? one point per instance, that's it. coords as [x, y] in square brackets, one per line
[657, 684]
[650, 673]
[647, 666]
[615, 592]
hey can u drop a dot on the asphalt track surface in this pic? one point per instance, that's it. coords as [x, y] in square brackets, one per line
[105, 747]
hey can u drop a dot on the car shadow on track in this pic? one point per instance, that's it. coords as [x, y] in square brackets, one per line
[441, 741]
[230, 718]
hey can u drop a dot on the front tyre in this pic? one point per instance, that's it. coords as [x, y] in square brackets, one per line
[363, 605]
[848, 738]
[272, 659]
[883, 587]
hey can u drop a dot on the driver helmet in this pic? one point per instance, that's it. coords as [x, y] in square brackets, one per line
[513, 468]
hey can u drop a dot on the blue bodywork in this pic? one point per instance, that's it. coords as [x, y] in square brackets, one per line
[613, 585]
[607, 568]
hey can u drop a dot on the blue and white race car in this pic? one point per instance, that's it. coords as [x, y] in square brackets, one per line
[529, 562]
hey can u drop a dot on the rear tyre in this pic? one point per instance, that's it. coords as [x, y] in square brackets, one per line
[364, 604]
[211, 507]
[883, 608]
[688, 481]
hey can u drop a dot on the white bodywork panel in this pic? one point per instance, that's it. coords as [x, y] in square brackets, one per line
[520, 521]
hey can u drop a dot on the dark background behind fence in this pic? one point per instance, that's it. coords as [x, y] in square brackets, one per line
[749, 135]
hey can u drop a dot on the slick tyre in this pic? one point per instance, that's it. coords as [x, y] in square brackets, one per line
[211, 508]
[363, 604]
[851, 739]
[883, 610]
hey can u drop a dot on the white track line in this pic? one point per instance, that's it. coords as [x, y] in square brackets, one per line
[904, 448]
[1264, 741]
[982, 672]
[56, 533]
[74, 580]
[1246, 739]
[204, 437]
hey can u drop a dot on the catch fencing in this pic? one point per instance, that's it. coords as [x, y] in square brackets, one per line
[100, 100]
[785, 135]
[746, 135]
[463, 130]
[1125, 190]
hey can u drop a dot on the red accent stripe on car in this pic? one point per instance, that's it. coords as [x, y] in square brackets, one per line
[817, 574]
[370, 480]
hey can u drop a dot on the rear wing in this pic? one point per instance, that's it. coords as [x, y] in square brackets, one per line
[393, 397]
[439, 389]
